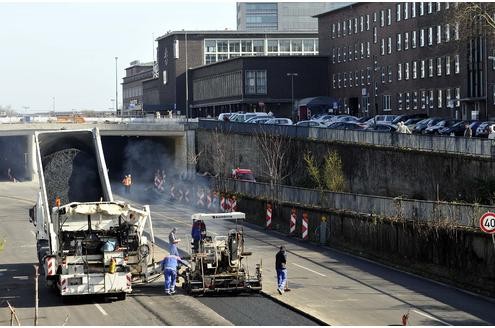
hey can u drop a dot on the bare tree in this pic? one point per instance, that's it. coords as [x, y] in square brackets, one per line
[274, 148]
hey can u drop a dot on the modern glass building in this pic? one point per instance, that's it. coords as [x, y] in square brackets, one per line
[282, 16]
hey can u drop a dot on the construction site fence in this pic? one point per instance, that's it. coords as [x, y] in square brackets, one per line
[449, 213]
[479, 147]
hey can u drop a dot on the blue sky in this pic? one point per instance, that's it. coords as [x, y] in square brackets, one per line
[67, 51]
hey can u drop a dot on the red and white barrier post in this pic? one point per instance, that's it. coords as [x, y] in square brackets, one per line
[268, 216]
[304, 228]
[292, 225]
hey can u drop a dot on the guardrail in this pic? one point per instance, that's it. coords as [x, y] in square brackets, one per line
[440, 144]
[408, 209]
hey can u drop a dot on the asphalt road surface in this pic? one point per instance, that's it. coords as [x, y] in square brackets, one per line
[147, 305]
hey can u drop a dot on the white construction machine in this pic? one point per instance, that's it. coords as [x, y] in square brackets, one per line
[220, 264]
[87, 243]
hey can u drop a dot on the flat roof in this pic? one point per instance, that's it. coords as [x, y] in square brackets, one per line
[296, 57]
[337, 9]
[235, 32]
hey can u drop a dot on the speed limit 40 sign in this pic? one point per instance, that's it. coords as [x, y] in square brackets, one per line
[487, 222]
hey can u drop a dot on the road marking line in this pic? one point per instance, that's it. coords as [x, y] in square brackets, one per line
[100, 308]
[321, 274]
[432, 318]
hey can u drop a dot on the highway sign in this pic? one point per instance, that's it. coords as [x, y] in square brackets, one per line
[487, 222]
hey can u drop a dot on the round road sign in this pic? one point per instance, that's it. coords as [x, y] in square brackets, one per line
[487, 222]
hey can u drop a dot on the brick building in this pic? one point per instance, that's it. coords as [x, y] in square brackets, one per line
[412, 54]
[132, 87]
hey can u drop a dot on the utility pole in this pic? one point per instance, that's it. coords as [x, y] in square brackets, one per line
[292, 89]
[117, 90]
[36, 298]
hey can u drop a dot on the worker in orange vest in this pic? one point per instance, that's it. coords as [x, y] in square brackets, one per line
[127, 182]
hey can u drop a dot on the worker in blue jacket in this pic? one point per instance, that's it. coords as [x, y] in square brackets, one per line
[169, 267]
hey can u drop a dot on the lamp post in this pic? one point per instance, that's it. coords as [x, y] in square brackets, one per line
[187, 80]
[292, 75]
[117, 90]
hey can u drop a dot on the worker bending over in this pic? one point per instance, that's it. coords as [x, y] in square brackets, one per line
[169, 267]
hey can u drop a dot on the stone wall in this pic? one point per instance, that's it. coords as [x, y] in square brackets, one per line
[368, 169]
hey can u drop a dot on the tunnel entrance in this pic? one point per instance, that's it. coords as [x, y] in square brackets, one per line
[14, 156]
[139, 156]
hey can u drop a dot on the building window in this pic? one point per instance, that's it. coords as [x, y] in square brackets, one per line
[344, 29]
[338, 29]
[447, 65]
[423, 99]
[367, 22]
[430, 36]
[447, 5]
[355, 51]
[383, 74]
[399, 42]
[423, 69]
[406, 40]
[406, 10]
[345, 80]
[413, 39]
[398, 12]
[333, 31]
[255, 82]
[440, 98]
[399, 101]
[422, 37]
[368, 75]
[456, 31]
[165, 77]
[430, 7]
[430, 98]
[361, 23]
[386, 103]
[439, 34]
[350, 79]
[210, 59]
[406, 71]
[338, 80]
[439, 6]
[457, 97]
[374, 17]
[356, 78]
[457, 69]
[333, 55]
[413, 9]
[362, 77]
[430, 67]
[389, 72]
[349, 25]
[389, 16]
[344, 54]
[448, 98]
[382, 18]
[333, 81]
[375, 35]
[415, 70]
[493, 94]
[408, 100]
[362, 50]
[389, 45]
[415, 100]
[338, 55]
[399, 71]
[383, 47]
[447, 32]
[421, 8]
[247, 46]
[439, 66]
[368, 49]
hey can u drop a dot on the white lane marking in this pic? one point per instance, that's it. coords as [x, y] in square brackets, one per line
[321, 274]
[432, 318]
[100, 308]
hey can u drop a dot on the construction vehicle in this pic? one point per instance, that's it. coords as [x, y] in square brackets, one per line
[87, 243]
[220, 263]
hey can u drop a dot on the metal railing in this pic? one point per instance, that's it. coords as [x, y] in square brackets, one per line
[458, 214]
[439, 144]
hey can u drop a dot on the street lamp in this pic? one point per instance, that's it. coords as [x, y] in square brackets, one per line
[292, 89]
[117, 90]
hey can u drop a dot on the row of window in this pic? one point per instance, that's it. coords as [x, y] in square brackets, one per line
[404, 11]
[410, 70]
[218, 50]
[132, 92]
[220, 86]
[404, 41]
[425, 99]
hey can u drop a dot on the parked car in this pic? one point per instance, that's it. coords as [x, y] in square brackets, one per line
[411, 123]
[346, 125]
[435, 129]
[381, 119]
[344, 118]
[455, 130]
[364, 119]
[224, 116]
[259, 120]
[243, 175]
[245, 116]
[427, 122]
[405, 117]
[382, 127]
[482, 130]
[474, 126]
[279, 121]
[324, 118]
[311, 123]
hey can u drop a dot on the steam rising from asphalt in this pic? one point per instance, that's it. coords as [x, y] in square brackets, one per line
[12, 150]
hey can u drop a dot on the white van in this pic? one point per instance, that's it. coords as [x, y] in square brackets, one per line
[245, 116]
